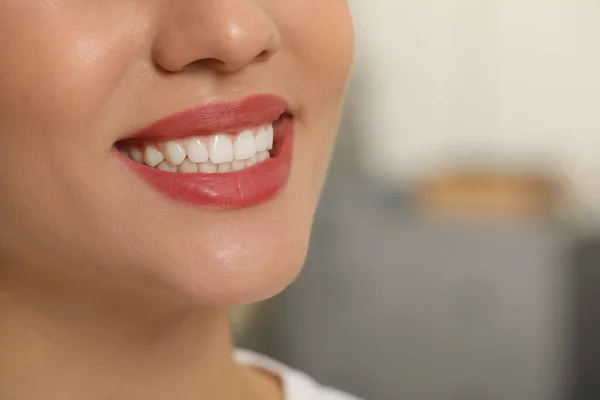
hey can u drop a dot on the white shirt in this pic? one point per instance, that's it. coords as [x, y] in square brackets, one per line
[296, 385]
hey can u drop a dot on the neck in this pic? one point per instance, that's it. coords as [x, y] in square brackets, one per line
[61, 339]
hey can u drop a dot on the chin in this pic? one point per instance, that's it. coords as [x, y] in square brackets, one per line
[229, 258]
[233, 277]
[219, 260]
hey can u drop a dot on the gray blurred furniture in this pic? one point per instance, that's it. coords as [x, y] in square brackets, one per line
[393, 307]
[585, 327]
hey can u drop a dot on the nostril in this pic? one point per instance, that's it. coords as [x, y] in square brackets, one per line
[265, 55]
[216, 64]
[206, 63]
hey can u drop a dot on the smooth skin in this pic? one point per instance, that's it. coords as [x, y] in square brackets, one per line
[108, 289]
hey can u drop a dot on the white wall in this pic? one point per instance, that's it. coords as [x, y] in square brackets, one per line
[506, 79]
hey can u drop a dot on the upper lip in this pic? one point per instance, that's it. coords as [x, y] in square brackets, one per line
[228, 116]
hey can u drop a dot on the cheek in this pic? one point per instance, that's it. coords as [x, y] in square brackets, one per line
[324, 52]
[325, 58]
[321, 35]
[60, 67]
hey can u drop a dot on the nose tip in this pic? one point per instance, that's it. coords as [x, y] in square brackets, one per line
[241, 46]
[227, 36]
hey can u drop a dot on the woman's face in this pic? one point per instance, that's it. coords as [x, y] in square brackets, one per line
[80, 78]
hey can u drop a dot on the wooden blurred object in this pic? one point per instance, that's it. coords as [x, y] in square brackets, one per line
[489, 194]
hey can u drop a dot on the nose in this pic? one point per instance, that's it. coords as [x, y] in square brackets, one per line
[225, 35]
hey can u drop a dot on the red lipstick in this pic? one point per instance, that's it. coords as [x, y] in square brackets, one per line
[245, 188]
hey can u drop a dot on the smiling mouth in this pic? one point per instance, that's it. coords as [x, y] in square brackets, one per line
[227, 154]
[207, 153]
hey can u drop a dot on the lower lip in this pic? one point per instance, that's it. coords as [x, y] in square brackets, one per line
[240, 189]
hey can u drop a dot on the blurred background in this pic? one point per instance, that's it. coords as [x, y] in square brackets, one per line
[456, 250]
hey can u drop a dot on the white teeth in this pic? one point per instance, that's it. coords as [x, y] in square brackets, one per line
[187, 167]
[207, 167]
[152, 156]
[197, 151]
[237, 165]
[137, 155]
[252, 161]
[166, 166]
[269, 131]
[263, 155]
[261, 139]
[174, 153]
[220, 149]
[224, 167]
[217, 153]
[244, 146]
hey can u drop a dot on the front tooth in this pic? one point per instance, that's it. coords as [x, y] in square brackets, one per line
[244, 146]
[166, 166]
[236, 165]
[269, 131]
[220, 149]
[224, 167]
[152, 156]
[137, 155]
[187, 167]
[174, 153]
[261, 139]
[207, 167]
[197, 151]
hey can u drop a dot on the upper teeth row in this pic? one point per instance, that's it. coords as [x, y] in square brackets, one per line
[218, 148]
